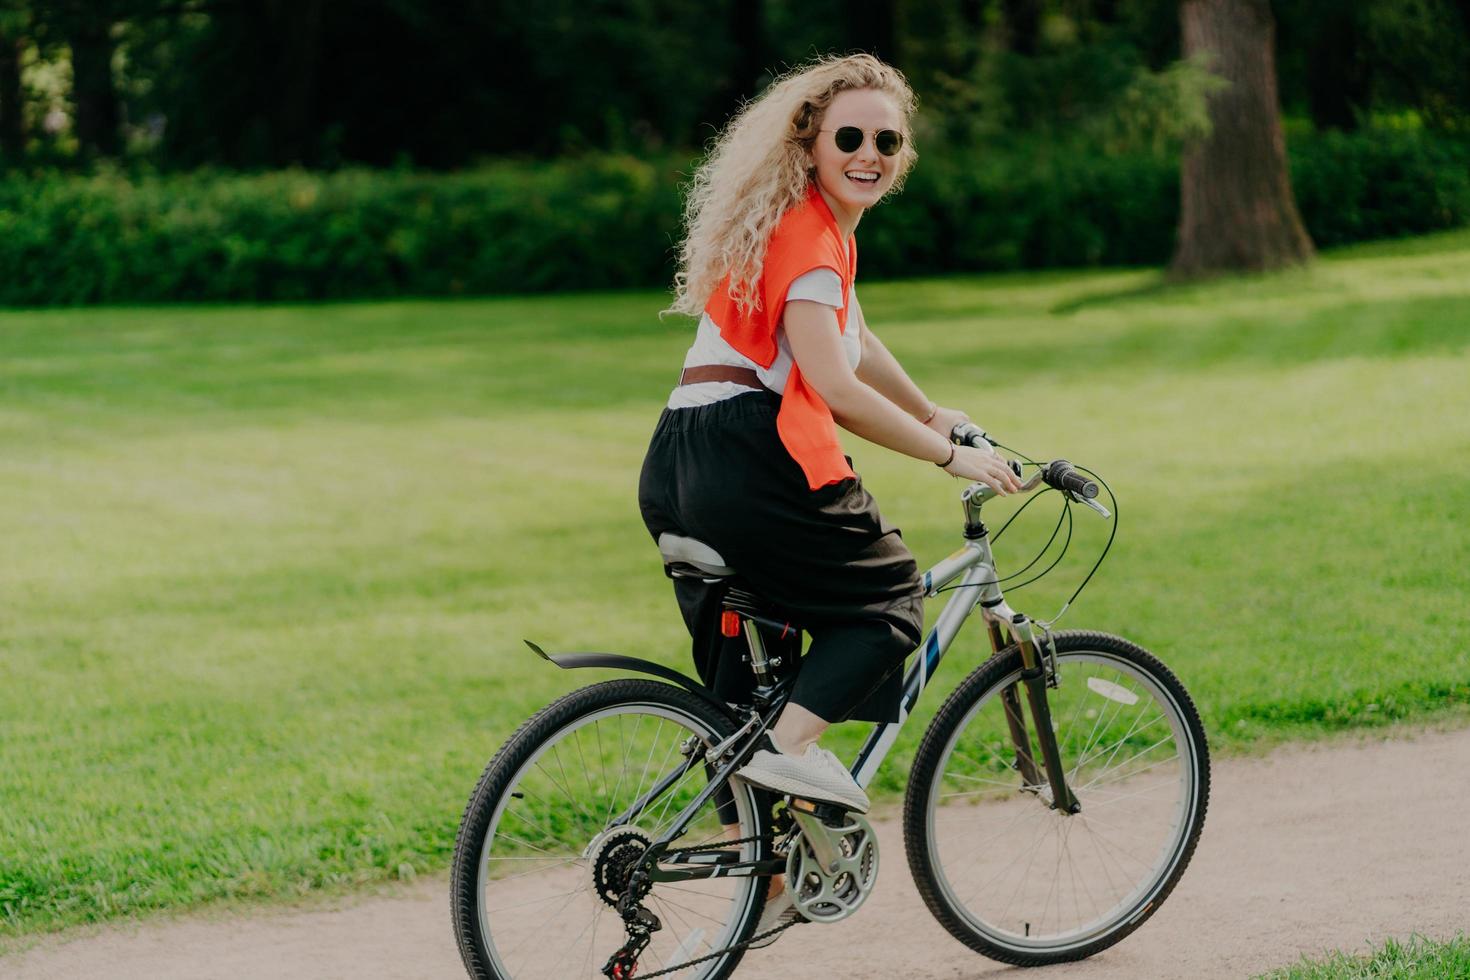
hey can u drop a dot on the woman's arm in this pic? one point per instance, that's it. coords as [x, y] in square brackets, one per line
[881, 371]
[816, 345]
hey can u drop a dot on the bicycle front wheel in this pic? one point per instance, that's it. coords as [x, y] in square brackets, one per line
[547, 844]
[1028, 884]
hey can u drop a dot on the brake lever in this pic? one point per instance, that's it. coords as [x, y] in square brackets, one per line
[1094, 505]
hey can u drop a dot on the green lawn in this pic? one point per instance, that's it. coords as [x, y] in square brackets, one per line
[267, 570]
[1416, 959]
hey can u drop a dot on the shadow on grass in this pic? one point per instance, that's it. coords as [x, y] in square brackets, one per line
[1161, 287]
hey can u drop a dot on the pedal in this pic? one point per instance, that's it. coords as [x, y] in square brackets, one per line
[830, 814]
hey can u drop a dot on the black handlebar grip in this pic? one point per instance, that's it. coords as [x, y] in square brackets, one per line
[1060, 475]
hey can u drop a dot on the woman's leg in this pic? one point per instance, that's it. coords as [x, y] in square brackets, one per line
[796, 728]
[844, 665]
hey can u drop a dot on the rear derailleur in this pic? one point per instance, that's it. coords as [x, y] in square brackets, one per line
[641, 925]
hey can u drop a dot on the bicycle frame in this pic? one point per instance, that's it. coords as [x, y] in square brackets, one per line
[973, 565]
[979, 584]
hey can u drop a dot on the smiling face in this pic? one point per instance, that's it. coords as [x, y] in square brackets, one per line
[853, 182]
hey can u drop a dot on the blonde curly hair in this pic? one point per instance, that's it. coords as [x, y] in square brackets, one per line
[759, 167]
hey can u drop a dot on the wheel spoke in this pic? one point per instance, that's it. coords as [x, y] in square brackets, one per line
[537, 901]
[533, 871]
[1128, 775]
[541, 917]
[1119, 798]
[1063, 879]
[1113, 750]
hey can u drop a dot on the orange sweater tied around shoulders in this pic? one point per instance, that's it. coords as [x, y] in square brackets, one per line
[806, 238]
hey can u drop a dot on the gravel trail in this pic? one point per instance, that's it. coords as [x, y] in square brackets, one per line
[1312, 848]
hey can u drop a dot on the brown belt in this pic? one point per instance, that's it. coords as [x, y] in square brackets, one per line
[722, 372]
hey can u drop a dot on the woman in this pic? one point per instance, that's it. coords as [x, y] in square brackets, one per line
[745, 456]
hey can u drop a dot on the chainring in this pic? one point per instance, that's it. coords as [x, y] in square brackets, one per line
[823, 895]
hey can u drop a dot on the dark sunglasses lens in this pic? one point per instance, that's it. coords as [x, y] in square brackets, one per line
[849, 138]
[889, 142]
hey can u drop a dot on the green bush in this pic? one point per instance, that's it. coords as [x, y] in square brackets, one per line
[1380, 184]
[613, 221]
[1024, 210]
[1046, 207]
[296, 235]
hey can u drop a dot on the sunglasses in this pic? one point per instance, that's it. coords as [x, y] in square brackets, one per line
[849, 138]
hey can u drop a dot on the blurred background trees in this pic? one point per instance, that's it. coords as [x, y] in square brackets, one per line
[264, 83]
[1051, 131]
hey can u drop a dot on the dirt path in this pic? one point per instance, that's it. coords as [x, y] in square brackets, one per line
[1313, 848]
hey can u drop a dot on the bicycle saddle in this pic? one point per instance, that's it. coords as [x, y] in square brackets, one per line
[689, 558]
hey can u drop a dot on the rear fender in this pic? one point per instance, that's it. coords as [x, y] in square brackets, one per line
[571, 661]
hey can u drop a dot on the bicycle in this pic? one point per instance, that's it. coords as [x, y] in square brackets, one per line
[1054, 802]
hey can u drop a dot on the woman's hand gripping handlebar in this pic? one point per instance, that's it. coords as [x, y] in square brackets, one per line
[1058, 474]
[976, 459]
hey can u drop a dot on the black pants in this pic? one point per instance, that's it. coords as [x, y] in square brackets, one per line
[824, 559]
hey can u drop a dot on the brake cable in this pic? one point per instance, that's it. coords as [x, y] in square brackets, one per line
[1107, 546]
[1066, 514]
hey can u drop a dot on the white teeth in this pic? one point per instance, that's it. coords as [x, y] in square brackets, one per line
[864, 177]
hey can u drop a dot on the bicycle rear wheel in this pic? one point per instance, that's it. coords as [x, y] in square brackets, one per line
[1027, 884]
[539, 865]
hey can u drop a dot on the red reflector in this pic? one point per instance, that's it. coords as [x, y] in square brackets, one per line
[729, 623]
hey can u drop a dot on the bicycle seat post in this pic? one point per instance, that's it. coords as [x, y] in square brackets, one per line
[758, 661]
[740, 614]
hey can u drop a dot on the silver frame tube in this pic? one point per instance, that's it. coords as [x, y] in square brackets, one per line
[974, 566]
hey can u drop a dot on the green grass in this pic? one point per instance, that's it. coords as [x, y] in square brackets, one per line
[1417, 959]
[267, 570]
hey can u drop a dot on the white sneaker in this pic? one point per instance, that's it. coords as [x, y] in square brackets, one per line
[778, 912]
[815, 775]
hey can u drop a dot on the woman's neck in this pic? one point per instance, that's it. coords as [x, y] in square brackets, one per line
[847, 220]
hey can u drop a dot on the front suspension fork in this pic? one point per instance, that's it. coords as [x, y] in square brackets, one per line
[1033, 675]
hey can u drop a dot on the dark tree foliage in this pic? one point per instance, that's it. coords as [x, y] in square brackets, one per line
[86, 28]
[872, 26]
[12, 108]
[1343, 60]
[265, 83]
[383, 81]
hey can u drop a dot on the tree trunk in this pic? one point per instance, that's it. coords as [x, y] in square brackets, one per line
[12, 103]
[93, 93]
[1237, 211]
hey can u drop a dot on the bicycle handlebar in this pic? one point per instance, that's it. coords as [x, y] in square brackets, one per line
[969, 434]
[1058, 474]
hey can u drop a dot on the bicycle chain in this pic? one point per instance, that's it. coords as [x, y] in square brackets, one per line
[719, 845]
[718, 952]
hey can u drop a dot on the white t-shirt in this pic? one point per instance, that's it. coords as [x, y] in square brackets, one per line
[821, 286]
